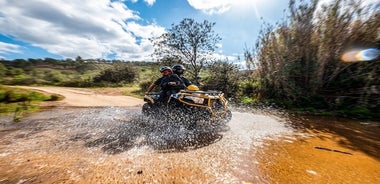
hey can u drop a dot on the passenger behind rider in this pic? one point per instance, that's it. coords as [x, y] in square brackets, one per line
[180, 70]
[175, 82]
[165, 71]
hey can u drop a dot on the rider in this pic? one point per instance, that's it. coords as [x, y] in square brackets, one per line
[165, 71]
[175, 82]
[179, 70]
[172, 84]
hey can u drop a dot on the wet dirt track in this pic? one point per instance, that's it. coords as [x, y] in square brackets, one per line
[117, 145]
[102, 139]
[335, 150]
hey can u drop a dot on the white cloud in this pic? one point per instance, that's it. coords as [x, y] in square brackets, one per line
[211, 6]
[9, 48]
[150, 2]
[145, 31]
[86, 28]
[223, 6]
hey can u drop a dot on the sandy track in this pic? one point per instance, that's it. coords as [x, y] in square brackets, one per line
[113, 143]
[78, 97]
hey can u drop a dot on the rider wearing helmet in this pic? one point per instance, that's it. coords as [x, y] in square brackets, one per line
[180, 70]
[165, 71]
[175, 82]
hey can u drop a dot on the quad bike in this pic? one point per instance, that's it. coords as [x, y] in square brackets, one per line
[190, 105]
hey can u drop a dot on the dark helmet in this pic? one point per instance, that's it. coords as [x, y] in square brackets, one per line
[162, 69]
[178, 69]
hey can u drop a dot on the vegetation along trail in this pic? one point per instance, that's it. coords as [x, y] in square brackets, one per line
[103, 141]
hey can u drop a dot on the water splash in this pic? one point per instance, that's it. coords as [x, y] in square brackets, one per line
[121, 142]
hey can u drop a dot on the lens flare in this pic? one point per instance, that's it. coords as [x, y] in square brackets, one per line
[361, 55]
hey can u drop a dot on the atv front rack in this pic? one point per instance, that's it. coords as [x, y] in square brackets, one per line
[214, 101]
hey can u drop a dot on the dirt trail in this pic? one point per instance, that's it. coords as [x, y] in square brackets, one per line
[81, 97]
[112, 143]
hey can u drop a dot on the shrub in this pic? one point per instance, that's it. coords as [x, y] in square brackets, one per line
[359, 112]
[224, 77]
[16, 96]
[248, 101]
[117, 74]
[3, 94]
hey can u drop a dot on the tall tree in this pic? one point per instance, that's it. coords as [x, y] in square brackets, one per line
[190, 41]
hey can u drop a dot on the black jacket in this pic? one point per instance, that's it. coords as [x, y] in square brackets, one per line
[171, 89]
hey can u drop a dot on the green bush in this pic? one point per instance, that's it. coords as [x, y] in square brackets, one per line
[117, 74]
[248, 101]
[249, 88]
[19, 101]
[3, 94]
[16, 96]
[222, 76]
[12, 95]
[34, 96]
[358, 112]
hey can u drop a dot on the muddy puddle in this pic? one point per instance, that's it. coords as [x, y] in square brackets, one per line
[335, 150]
[118, 145]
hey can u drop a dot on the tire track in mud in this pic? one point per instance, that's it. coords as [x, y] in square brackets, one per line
[117, 144]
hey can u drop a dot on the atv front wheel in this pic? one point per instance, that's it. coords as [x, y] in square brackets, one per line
[147, 109]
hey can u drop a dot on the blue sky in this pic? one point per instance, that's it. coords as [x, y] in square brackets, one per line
[120, 29]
